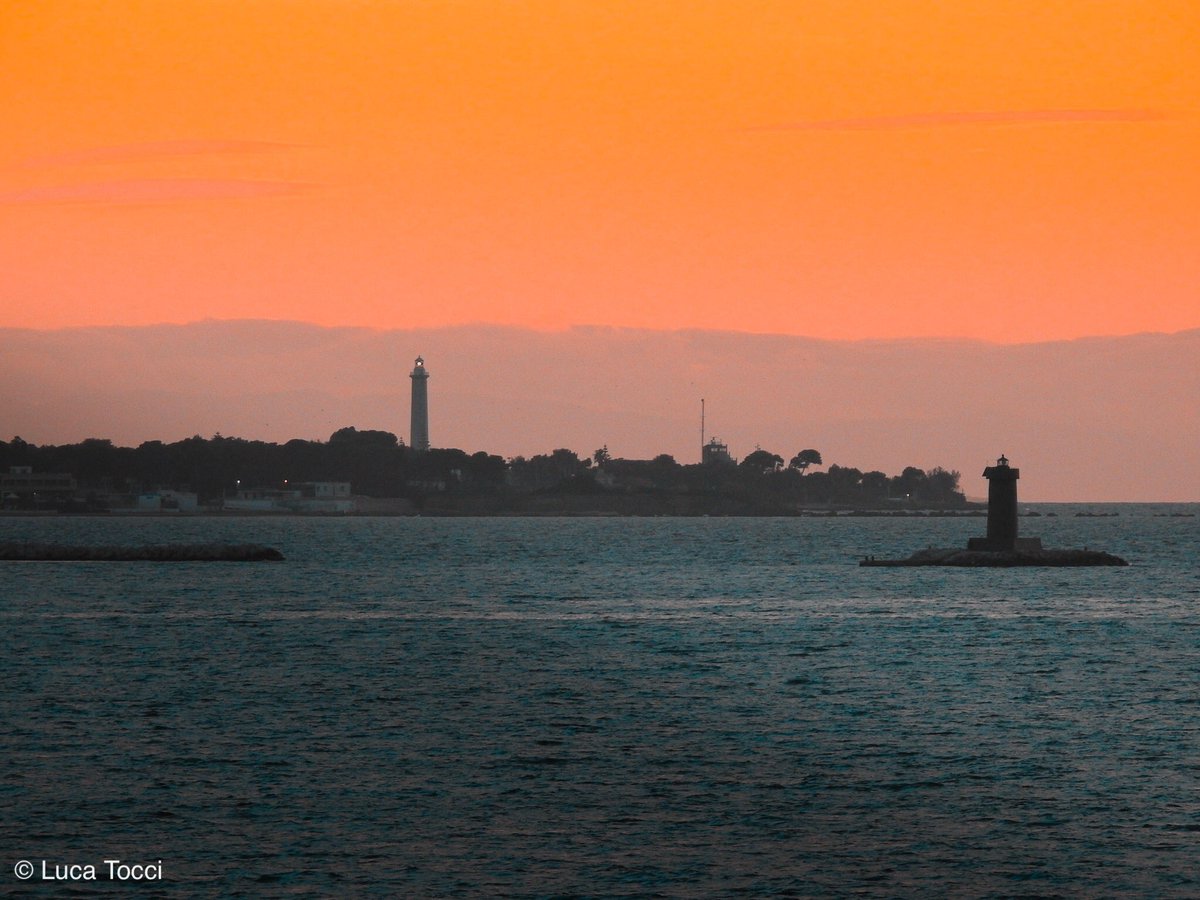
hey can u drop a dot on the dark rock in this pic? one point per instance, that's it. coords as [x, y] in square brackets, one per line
[149, 553]
[949, 556]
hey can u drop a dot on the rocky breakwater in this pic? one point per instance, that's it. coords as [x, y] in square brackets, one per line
[949, 556]
[44, 552]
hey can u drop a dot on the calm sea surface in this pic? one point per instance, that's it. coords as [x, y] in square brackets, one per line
[606, 707]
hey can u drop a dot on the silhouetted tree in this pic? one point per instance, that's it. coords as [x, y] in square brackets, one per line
[94, 458]
[487, 470]
[153, 465]
[16, 453]
[875, 485]
[545, 470]
[805, 458]
[941, 487]
[762, 461]
[845, 484]
[365, 438]
[909, 484]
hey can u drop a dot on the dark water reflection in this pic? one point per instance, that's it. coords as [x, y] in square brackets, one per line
[608, 707]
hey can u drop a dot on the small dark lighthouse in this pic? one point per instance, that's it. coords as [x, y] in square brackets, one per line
[1002, 512]
[1002, 504]
[1001, 547]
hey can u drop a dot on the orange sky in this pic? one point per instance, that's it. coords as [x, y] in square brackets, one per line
[1005, 170]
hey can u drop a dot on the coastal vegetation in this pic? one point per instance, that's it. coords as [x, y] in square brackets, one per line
[378, 465]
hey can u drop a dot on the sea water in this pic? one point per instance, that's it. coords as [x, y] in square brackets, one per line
[606, 707]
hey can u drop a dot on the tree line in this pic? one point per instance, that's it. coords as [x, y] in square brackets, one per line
[378, 464]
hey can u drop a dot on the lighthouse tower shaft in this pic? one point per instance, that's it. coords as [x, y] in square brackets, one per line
[419, 425]
[1002, 504]
[1002, 512]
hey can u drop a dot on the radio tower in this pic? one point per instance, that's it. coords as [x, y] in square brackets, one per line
[419, 428]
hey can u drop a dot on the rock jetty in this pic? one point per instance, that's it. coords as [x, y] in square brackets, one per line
[150, 553]
[1003, 559]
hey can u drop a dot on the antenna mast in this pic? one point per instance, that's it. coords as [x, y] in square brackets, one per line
[701, 429]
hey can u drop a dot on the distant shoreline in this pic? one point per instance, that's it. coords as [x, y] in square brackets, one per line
[501, 514]
[972, 511]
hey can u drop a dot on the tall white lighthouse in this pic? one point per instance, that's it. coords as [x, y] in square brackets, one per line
[419, 429]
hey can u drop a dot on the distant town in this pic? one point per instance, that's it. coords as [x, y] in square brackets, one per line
[374, 473]
[368, 472]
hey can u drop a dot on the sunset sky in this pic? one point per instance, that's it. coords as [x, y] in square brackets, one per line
[1013, 171]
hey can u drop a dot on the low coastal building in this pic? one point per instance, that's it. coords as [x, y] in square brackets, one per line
[302, 497]
[22, 488]
[168, 501]
[716, 453]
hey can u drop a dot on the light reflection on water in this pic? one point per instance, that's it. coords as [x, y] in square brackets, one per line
[612, 706]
